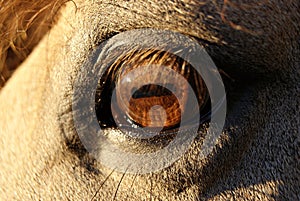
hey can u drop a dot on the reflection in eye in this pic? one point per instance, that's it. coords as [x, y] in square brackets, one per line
[151, 105]
[144, 107]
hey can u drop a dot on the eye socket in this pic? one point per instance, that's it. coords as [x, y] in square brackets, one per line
[154, 106]
[120, 137]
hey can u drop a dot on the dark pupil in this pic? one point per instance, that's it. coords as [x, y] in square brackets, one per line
[151, 90]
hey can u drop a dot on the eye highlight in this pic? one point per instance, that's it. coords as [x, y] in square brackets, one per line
[152, 105]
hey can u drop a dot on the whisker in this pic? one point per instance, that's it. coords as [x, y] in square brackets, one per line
[119, 184]
[131, 186]
[102, 184]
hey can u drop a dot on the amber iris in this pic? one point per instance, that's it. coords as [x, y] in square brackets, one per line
[156, 105]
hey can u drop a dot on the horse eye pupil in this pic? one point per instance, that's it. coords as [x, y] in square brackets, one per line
[151, 90]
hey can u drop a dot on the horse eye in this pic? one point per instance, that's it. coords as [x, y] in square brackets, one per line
[157, 107]
[142, 98]
[149, 105]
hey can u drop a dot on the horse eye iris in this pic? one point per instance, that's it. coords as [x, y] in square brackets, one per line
[152, 105]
